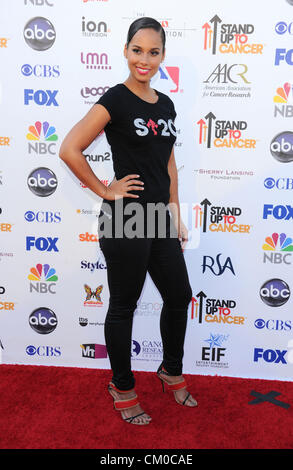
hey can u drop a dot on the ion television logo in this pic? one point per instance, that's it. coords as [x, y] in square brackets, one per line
[282, 147]
[275, 292]
[42, 182]
[39, 33]
[43, 320]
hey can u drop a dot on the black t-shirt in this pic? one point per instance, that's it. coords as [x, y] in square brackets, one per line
[141, 136]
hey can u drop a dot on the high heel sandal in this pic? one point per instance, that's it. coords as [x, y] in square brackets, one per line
[181, 384]
[121, 405]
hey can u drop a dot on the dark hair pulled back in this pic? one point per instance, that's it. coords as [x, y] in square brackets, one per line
[143, 23]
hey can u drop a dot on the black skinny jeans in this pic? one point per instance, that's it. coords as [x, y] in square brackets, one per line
[128, 261]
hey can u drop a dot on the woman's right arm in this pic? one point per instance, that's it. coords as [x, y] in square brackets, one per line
[77, 140]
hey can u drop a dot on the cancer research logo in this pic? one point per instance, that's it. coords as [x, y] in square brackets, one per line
[225, 134]
[229, 38]
[275, 292]
[147, 350]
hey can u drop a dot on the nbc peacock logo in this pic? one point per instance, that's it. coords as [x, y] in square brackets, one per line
[278, 249]
[282, 100]
[229, 38]
[43, 279]
[42, 139]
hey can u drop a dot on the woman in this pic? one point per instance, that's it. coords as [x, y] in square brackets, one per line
[139, 126]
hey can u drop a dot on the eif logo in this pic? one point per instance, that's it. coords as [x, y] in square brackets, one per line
[223, 134]
[229, 38]
[213, 355]
[218, 218]
[170, 75]
[43, 279]
[45, 132]
[278, 249]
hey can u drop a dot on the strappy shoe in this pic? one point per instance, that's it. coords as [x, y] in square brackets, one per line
[121, 405]
[181, 384]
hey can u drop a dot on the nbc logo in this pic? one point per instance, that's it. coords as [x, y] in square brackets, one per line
[281, 98]
[279, 247]
[47, 133]
[39, 274]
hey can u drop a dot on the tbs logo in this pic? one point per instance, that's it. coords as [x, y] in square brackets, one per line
[42, 243]
[275, 292]
[40, 97]
[278, 212]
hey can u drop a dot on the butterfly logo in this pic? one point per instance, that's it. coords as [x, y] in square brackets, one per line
[93, 293]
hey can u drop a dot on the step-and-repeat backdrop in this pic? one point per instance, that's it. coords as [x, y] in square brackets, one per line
[229, 72]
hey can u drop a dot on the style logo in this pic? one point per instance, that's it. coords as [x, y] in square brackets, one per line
[273, 325]
[171, 76]
[44, 71]
[94, 351]
[49, 137]
[275, 356]
[282, 244]
[93, 294]
[43, 320]
[93, 29]
[214, 310]
[275, 292]
[40, 97]
[212, 355]
[280, 183]
[42, 243]
[221, 219]
[92, 266]
[208, 262]
[43, 216]
[43, 351]
[39, 33]
[42, 182]
[282, 147]
[233, 38]
[223, 134]
[38, 275]
[278, 212]
[93, 60]
[281, 98]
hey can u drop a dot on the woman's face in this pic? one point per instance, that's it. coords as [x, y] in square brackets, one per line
[144, 54]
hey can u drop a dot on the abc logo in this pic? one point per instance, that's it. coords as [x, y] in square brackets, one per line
[282, 147]
[135, 350]
[43, 320]
[275, 292]
[39, 33]
[42, 182]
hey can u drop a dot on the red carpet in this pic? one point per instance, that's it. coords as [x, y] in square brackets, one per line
[69, 408]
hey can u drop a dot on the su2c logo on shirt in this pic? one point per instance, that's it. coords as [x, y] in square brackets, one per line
[161, 127]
